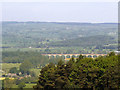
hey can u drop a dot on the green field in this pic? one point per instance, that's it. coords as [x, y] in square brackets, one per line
[73, 50]
[7, 66]
[27, 86]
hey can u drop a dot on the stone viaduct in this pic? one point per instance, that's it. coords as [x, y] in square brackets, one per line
[68, 56]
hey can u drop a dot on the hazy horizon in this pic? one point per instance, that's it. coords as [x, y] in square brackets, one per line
[83, 12]
[59, 22]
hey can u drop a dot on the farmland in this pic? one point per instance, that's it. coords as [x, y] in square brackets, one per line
[24, 43]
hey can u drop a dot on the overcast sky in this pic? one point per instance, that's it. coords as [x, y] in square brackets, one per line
[60, 11]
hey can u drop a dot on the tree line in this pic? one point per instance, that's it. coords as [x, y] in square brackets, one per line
[34, 58]
[99, 73]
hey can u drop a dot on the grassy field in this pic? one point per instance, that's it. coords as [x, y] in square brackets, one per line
[6, 66]
[27, 86]
[22, 49]
[59, 50]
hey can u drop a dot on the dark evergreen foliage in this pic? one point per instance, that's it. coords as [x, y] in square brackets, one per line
[98, 73]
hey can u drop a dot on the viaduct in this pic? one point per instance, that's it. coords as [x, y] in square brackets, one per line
[68, 56]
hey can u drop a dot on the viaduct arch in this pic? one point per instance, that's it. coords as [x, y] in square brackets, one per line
[66, 56]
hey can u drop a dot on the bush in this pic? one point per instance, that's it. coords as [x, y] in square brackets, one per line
[21, 85]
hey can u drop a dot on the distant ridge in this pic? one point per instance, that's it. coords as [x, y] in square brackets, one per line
[56, 22]
[59, 22]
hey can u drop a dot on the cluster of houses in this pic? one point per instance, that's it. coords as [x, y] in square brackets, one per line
[13, 76]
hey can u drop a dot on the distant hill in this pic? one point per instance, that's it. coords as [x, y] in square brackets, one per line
[85, 41]
[38, 34]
